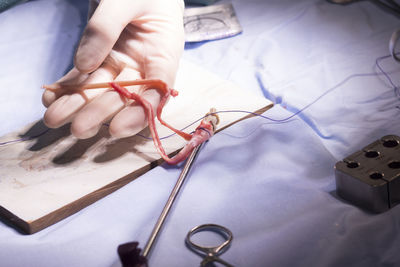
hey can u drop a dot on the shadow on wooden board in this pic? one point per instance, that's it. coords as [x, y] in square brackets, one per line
[47, 174]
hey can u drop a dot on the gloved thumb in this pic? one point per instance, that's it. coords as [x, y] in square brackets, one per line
[100, 35]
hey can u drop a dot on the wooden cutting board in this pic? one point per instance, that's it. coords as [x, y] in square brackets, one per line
[52, 174]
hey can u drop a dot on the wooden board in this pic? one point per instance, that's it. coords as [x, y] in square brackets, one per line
[53, 175]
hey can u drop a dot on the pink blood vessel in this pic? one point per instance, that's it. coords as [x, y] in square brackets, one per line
[202, 133]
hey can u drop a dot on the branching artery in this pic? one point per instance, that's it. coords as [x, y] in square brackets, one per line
[202, 133]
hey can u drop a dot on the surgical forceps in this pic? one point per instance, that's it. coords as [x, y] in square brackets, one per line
[211, 253]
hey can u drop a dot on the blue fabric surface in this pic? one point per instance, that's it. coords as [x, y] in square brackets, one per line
[271, 184]
[5, 4]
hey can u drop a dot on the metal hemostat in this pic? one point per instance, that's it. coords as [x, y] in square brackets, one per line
[211, 253]
[130, 254]
[370, 178]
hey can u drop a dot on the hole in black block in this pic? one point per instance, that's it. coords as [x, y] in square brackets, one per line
[371, 154]
[376, 175]
[352, 164]
[394, 165]
[390, 143]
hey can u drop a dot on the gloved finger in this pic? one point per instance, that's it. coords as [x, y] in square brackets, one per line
[89, 119]
[132, 119]
[75, 79]
[100, 34]
[163, 65]
[72, 77]
[162, 55]
[64, 108]
[164, 43]
[93, 4]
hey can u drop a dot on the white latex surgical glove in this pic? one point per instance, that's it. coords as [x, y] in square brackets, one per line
[123, 40]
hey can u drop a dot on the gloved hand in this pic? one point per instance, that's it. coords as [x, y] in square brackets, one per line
[123, 40]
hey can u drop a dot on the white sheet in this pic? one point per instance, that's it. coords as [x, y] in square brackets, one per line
[272, 185]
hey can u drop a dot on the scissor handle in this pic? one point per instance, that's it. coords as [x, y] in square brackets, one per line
[212, 250]
[207, 260]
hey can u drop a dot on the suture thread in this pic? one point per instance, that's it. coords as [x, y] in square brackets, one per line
[277, 121]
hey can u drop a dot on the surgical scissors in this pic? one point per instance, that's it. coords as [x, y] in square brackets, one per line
[211, 253]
